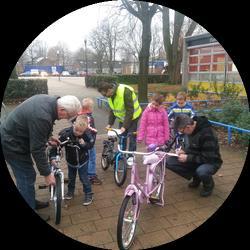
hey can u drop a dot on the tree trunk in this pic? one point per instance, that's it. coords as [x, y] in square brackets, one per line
[144, 61]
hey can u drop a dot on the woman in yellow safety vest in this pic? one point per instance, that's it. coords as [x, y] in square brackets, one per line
[124, 106]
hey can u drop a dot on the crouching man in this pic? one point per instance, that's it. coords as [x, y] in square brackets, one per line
[201, 159]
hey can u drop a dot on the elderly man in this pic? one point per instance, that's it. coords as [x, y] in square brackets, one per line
[201, 159]
[24, 135]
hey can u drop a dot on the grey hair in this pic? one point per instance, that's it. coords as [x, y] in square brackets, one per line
[181, 121]
[70, 103]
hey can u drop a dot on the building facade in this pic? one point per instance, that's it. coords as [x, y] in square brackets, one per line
[207, 64]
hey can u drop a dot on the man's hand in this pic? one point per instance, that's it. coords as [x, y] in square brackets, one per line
[53, 162]
[53, 141]
[182, 157]
[50, 179]
[81, 141]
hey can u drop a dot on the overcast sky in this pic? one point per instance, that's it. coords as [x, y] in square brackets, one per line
[73, 28]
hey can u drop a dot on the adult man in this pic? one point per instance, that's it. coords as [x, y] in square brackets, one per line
[25, 133]
[201, 159]
[124, 106]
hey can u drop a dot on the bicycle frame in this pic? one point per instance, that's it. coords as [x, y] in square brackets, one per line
[144, 190]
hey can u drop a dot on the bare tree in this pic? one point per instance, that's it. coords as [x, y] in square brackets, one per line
[96, 42]
[144, 12]
[36, 49]
[156, 44]
[131, 43]
[174, 44]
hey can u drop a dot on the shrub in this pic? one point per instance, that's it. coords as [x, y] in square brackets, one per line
[92, 81]
[24, 88]
[243, 121]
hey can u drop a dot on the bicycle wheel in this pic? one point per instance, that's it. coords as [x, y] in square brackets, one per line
[120, 170]
[57, 199]
[156, 196]
[127, 221]
[104, 159]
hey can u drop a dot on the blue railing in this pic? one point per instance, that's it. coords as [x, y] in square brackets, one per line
[229, 130]
[101, 100]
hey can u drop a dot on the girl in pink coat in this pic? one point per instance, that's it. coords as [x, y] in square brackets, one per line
[154, 127]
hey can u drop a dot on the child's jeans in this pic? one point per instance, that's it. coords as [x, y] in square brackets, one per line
[83, 176]
[92, 162]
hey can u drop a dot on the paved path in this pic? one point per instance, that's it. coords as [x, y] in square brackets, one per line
[96, 224]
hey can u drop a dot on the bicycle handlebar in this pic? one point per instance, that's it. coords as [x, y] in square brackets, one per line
[136, 152]
[64, 142]
[120, 135]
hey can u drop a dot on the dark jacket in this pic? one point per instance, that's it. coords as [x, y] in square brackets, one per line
[92, 127]
[75, 155]
[129, 107]
[203, 144]
[26, 130]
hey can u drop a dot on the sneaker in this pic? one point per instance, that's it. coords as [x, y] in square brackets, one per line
[95, 180]
[68, 196]
[207, 189]
[45, 217]
[88, 199]
[41, 204]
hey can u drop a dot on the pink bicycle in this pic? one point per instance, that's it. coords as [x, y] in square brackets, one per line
[151, 190]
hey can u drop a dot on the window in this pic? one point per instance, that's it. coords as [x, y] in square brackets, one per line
[205, 77]
[218, 67]
[193, 59]
[194, 51]
[219, 58]
[205, 59]
[194, 77]
[193, 68]
[205, 67]
[218, 48]
[206, 50]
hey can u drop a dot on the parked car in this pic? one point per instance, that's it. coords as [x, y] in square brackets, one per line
[43, 73]
[34, 72]
[65, 73]
[26, 73]
[55, 73]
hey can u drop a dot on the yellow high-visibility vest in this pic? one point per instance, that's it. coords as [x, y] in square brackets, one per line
[118, 107]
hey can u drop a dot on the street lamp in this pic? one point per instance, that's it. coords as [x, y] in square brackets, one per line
[58, 54]
[86, 59]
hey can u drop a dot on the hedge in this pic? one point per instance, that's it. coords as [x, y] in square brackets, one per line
[24, 88]
[92, 81]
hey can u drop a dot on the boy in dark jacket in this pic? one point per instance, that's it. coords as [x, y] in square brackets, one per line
[201, 159]
[77, 157]
[87, 109]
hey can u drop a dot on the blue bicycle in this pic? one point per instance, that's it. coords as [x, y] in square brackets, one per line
[112, 157]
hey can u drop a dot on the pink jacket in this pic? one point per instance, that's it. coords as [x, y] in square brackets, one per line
[154, 127]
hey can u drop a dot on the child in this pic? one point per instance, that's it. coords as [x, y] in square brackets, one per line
[180, 107]
[87, 109]
[77, 157]
[154, 128]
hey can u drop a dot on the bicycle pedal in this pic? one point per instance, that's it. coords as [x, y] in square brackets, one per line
[42, 186]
